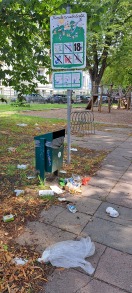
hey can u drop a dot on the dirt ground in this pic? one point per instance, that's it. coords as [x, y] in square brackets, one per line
[116, 116]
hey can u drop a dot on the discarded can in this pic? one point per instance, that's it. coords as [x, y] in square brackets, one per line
[71, 208]
[8, 218]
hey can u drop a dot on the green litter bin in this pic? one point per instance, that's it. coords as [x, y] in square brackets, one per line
[49, 149]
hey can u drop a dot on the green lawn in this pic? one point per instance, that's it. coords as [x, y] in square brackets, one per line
[39, 107]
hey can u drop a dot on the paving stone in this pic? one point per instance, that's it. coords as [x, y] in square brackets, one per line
[87, 205]
[127, 145]
[127, 177]
[100, 287]
[109, 174]
[110, 234]
[94, 259]
[94, 192]
[113, 167]
[49, 215]
[66, 281]
[104, 183]
[125, 214]
[119, 152]
[71, 222]
[117, 162]
[121, 194]
[42, 235]
[115, 268]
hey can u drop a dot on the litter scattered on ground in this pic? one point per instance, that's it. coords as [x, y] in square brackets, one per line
[62, 171]
[70, 254]
[112, 212]
[19, 261]
[22, 124]
[56, 189]
[61, 198]
[71, 208]
[73, 149]
[30, 177]
[46, 192]
[73, 187]
[19, 192]
[85, 180]
[36, 124]
[23, 167]
[8, 218]
[11, 149]
[76, 177]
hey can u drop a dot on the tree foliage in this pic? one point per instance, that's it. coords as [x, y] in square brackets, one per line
[24, 31]
[25, 38]
[108, 27]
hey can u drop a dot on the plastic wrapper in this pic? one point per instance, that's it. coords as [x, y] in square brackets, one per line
[70, 254]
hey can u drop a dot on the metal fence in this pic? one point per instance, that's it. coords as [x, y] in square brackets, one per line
[82, 122]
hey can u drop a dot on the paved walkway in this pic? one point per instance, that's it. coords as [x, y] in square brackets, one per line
[111, 186]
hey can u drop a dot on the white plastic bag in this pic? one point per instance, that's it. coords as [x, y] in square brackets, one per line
[70, 254]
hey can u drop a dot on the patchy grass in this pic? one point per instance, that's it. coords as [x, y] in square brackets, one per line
[36, 107]
[28, 206]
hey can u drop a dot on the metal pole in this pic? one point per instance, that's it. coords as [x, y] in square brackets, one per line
[69, 92]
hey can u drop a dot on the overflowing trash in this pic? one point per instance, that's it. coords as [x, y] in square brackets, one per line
[112, 212]
[46, 192]
[8, 218]
[23, 167]
[71, 208]
[70, 254]
[19, 192]
[19, 261]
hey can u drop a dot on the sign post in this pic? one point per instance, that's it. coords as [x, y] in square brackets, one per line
[68, 51]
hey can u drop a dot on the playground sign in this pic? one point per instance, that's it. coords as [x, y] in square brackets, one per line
[67, 80]
[68, 40]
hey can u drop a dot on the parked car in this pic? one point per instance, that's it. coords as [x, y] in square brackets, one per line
[59, 99]
[35, 98]
[32, 98]
[82, 99]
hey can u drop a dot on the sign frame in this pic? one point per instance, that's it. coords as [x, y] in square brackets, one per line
[67, 80]
[68, 40]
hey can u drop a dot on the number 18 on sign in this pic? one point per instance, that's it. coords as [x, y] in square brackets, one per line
[68, 40]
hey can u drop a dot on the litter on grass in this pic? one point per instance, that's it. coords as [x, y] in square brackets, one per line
[74, 149]
[62, 172]
[19, 192]
[11, 149]
[8, 218]
[112, 212]
[19, 261]
[61, 198]
[30, 177]
[46, 192]
[70, 254]
[22, 124]
[23, 167]
[56, 189]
